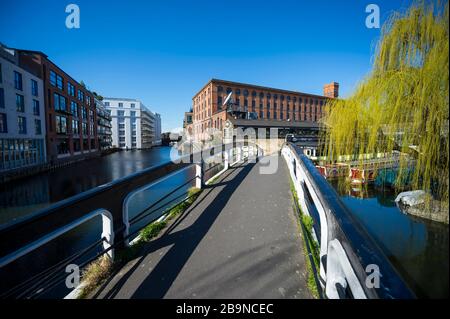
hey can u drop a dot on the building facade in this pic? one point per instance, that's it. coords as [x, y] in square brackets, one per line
[252, 102]
[104, 131]
[70, 110]
[134, 126]
[22, 115]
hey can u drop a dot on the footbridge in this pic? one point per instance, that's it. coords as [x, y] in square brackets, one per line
[240, 238]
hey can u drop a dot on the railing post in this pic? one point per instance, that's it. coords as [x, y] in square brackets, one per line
[226, 159]
[108, 233]
[199, 181]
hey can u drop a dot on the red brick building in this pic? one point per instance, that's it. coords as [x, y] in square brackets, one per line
[70, 110]
[255, 102]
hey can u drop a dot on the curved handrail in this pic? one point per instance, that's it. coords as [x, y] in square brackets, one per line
[358, 245]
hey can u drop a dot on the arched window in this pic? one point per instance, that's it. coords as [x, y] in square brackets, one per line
[229, 90]
[219, 89]
[245, 92]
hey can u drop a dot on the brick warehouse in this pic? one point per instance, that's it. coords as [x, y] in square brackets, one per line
[253, 102]
[71, 117]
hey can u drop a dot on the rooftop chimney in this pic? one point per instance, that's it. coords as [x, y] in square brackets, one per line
[331, 90]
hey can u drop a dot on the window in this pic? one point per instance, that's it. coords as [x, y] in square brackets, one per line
[238, 92]
[37, 127]
[20, 104]
[84, 113]
[70, 89]
[59, 82]
[80, 96]
[75, 128]
[52, 78]
[17, 81]
[59, 102]
[34, 88]
[133, 105]
[106, 103]
[219, 89]
[132, 113]
[3, 123]
[120, 104]
[120, 113]
[88, 100]
[219, 102]
[36, 109]
[84, 128]
[22, 124]
[61, 124]
[2, 98]
[74, 108]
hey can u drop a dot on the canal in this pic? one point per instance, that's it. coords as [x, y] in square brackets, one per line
[418, 248]
[26, 196]
[22, 197]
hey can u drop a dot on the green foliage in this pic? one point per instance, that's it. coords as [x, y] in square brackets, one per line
[403, 103]
[308, 240]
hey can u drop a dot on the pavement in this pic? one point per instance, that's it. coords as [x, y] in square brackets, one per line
[239, 239]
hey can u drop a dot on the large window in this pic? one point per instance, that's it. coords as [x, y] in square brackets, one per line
[74, 108]
[22, 124]
[75, 128]
[20, 103]
[59, 102]
[37, 127]
[120, 113]
[52, 78]
[3, 123]
[36, 108]
[70, 89]
[34, 88]
[84, 113]
[59, 82]
[17, 81]
[61, 124]
[80, 96]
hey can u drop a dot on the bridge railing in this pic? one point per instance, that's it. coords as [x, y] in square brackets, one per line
[351, 264]
[26, 236]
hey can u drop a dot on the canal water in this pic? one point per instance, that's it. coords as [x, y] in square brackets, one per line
[23, 197]
[418, 248]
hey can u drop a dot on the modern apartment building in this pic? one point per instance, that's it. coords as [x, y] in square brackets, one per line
[252, 102]
[22, 114]
[134, 126]
[104, 131]
[70, 110]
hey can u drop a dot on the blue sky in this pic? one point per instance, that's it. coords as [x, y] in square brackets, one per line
[162, 52]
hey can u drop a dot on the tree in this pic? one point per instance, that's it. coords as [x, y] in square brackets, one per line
[403, 103]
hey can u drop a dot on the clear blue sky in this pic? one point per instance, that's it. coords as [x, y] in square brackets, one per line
[162, 52]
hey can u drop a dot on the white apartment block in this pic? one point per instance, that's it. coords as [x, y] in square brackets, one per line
[22, 115]
[134, 126]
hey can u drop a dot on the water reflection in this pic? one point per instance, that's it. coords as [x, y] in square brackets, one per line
[20, 198]
[417, 247]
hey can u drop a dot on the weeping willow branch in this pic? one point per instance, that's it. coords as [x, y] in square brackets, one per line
[403, 103]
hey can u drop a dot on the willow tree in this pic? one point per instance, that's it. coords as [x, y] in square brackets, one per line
[402, 104]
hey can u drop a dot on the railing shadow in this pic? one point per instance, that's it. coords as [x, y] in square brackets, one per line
[159, 281]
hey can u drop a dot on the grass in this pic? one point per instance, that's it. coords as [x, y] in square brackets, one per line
[306, 224]
[102, 268]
